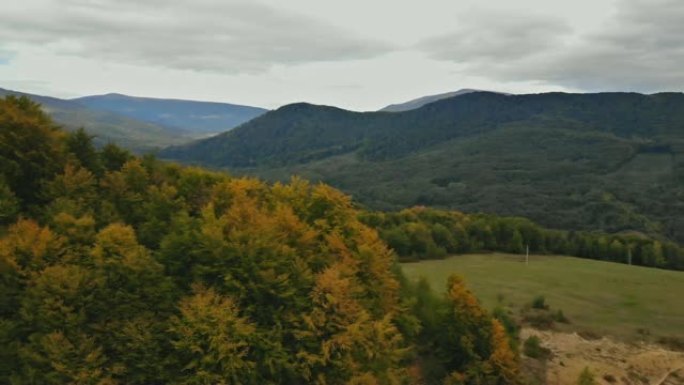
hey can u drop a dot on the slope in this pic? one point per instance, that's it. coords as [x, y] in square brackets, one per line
[605, 298]
[197, 117]
[608, 161]
[420, 102]
[107, 126]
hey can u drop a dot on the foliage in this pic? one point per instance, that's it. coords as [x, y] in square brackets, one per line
[426, 233]
[586, 377]
[609, 162]
[116, 269]
[533, 349]
[135, 135]
[631, 297]
[539, 302]
[458, 341]
[559, 316]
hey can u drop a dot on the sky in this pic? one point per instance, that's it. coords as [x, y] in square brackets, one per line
[354, 54]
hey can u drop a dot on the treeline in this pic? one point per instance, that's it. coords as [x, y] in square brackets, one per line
[116, 269]
[424, 233]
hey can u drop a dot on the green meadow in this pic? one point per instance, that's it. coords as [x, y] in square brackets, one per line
[601, 297]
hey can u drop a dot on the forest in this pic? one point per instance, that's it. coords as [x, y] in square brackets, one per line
[117, 269]
[610, 162]
[425, 233]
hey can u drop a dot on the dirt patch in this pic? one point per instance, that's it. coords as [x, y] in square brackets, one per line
[611, 362]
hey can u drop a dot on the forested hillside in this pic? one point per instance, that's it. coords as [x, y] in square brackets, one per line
[610, 162]
[423, 233]
[116, 269]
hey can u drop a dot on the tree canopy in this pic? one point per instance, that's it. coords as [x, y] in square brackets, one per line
[117, 269]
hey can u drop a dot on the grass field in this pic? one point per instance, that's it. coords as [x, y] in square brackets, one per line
[606, 298]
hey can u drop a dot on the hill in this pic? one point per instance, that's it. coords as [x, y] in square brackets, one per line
[107, 126]
[116, 269]
[420, 102]
[610, 161]
[196, 117]
[601, 297]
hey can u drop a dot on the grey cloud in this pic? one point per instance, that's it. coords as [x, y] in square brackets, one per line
[211, 35]
[485, 36]
[641, 48]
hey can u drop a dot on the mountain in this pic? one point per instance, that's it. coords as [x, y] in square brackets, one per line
[420, 102]
[197, 117]
[106, 126]
[608, 161]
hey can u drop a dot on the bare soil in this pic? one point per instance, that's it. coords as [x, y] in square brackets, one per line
[612, 362]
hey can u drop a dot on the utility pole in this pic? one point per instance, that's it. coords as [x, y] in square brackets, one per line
[527, 256]
[629, 255]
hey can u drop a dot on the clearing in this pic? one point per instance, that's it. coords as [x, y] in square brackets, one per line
[628, 302]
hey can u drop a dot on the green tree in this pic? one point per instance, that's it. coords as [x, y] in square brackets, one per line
[9, 204]
[113, 157]
[31, 148]
[80, 146]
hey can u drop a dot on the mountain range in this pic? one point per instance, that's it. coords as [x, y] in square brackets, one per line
[608, 161]
[142, 124]
[203, 118]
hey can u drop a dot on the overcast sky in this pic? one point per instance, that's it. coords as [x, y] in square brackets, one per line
[355, 54]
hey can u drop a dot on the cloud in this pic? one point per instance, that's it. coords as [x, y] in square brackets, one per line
[640, 48]
[493, 36]
[229, 36]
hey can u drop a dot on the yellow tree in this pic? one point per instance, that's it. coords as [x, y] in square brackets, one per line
[502, 361]
[212, 341]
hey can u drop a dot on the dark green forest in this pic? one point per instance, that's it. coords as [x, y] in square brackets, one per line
[424, 233]
[117, 269]
[609, 162]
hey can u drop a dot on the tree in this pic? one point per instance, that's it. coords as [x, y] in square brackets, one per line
[516, 243]
[58, 359]
[114, 157]
[73, 191]
[503, 361]
[80, 145]
[473, 346]
[212, 341]
[9, 204]
[31, 148]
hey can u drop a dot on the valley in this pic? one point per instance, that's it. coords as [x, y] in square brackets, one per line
[609, 162]
[208, 192]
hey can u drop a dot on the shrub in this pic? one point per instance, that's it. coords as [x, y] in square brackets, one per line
[674, 343]
[539, 302]
[539, 320]
[586, 377]
[533, 349]
[509, 324]
[560, 317]
[589, 335]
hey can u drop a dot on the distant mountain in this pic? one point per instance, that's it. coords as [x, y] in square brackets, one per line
[610, 161]
[107, 126]
[197, 117]
[420, 102]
